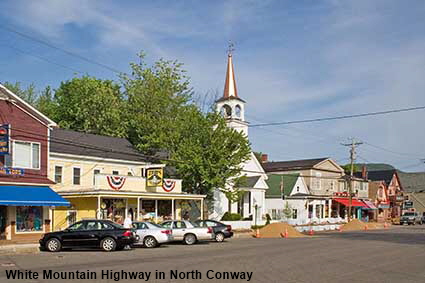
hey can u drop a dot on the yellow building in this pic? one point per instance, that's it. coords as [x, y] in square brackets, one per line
[105, 178]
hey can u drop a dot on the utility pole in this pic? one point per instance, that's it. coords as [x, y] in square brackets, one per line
[353, 144]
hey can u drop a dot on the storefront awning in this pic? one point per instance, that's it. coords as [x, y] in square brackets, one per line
[30, 196]
[370, 205]
[354, 202]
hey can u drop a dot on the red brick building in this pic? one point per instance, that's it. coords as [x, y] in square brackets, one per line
[25, 196]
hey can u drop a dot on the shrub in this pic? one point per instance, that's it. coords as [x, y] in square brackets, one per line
[231, 217]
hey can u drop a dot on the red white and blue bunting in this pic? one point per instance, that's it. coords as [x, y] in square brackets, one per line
[116, 182]
[168, 185]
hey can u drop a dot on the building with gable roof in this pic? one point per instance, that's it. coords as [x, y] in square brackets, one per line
[252, 203]
[25, 189]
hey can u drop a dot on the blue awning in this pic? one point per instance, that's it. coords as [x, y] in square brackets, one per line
[30, 196]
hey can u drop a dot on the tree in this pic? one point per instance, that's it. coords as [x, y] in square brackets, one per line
[204, 151]
[287, 211]
[45, 102]
[29, 94]
[90, 105]
[157, 98]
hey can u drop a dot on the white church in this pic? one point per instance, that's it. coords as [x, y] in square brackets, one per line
[252, 204]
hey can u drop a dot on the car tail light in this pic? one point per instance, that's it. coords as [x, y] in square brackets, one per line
[210, 230]
[168, 232]
[127, 234]
[229, 227]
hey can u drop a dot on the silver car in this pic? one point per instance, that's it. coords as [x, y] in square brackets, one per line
[188, 232]
[151, 235]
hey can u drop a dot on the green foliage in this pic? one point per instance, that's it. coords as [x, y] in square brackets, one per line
[234, 194]
[258, 155]
[231, 217]
[287, 211]
[204, 151]
[28, 94]
[268, 219]
[90, 105]
[254, 227]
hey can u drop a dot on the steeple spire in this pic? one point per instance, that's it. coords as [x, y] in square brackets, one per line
[230, 84]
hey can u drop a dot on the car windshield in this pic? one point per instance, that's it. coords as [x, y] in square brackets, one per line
[409, 214]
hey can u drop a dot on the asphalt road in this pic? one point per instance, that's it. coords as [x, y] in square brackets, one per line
[395, 255]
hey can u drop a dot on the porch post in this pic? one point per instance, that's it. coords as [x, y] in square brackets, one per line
[156, 211]
[138, 208]
[126, 208]
[202, 208]
[330, 208]
[172, 208]
[98, 207]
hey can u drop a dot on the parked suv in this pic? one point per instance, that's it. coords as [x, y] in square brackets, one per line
[411, 218]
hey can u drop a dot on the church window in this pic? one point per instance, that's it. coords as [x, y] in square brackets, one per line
[238, 111]
[226, 111]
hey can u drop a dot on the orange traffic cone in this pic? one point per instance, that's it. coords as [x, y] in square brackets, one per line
[365, 227]
[286, 233]
[311, 233]
[257, 233]
[385, 225]
[340, 228]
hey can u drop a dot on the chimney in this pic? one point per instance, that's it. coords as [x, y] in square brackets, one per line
[364, 172]
[264, 158]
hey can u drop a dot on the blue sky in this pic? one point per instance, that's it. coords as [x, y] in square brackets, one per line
[293, 60]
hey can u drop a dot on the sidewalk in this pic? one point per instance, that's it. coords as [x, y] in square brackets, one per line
[18, 249]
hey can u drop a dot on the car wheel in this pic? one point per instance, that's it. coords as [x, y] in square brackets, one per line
[189, 239]
[150, 242]
[108, 244]
[53, 245]
[219, 237]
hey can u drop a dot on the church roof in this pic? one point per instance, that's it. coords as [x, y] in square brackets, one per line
[230, 90]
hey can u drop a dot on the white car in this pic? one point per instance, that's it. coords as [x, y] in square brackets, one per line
[188, 232]
[151, 235]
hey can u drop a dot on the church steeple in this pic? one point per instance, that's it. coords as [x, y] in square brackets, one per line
[230, 105]
[230, 89]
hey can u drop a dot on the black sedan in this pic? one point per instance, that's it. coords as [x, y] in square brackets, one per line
[103, 234]
[221, 231]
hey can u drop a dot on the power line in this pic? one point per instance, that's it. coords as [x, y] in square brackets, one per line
[48, 44]
[41, 58]
[339, 117]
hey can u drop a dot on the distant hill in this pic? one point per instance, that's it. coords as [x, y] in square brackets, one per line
[369, 167]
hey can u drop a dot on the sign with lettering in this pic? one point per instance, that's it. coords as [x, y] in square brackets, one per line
[11, 171]
[154, 177]
[408, 204]
[4, 139]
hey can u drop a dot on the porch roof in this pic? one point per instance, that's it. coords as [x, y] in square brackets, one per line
[131, 195]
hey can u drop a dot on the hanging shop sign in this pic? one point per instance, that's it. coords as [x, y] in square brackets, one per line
[168, 185]
[116, 182]
[4, 139]
[154, 177]
[12, 171]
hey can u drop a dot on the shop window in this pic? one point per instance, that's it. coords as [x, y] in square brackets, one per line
[26, 155]
[113, 209]
[58, 174]
[72, 217]
[29, 218]
[115, 172]
[294, 213]
[129, 173]
[76, 179]
[274, 214]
